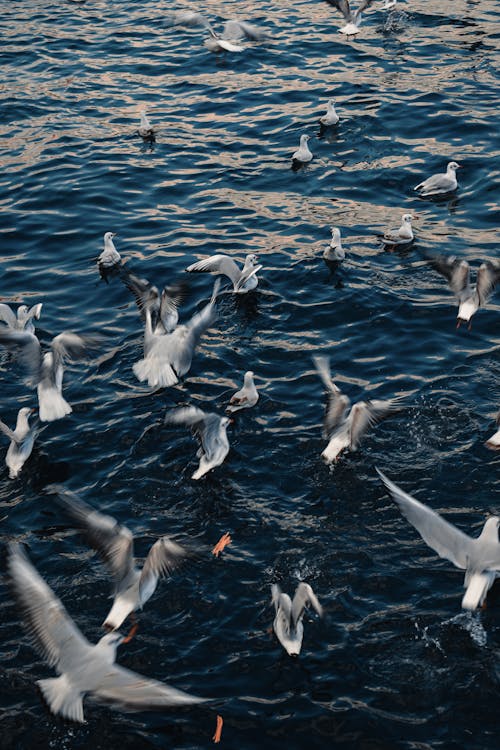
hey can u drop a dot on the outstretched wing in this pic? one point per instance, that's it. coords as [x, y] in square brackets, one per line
[235, 29]
[343, 7]
[217, 264]
[113, 543]
[455, 270]
[303, 596]
[488, 277]
[364, 414]
[51, 629]
[444, 538]
[26, 347]
[7, 316]
[134, 691]
[165, 556]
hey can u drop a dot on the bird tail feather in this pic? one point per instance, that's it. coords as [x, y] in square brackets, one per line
[62, 698]
[52, 405]
[158, 374]
[477, 588]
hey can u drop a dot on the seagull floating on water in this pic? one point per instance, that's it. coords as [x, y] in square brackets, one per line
[334, 252]
[401, 236]
[439, 184]
[353, 19]
[234, 31]
[244, 279]
[145, 128]
[210, 429]
[21, 441]
[458, 274]
[168, 356]
[330, 117]
[288, 620]
[246, 397]
[22, 319]
[84, 668]
[114, 543]
[110, 256]
[345, 427]
[303, 155]
[46, 371]
[494, 441]
[480, 558]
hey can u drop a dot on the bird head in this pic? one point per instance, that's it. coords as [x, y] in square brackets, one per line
[453, 166]
[407, 218]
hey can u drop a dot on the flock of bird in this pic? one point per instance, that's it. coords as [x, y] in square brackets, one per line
[168, 351]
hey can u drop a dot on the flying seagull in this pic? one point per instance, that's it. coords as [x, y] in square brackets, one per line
[353, 19]
[22, 319]
[344, 427]
[114, 543]
[21, 439]
[289, 613]
[458, 274]
[234, 31]
[163, 308]
[83, 668]
[480, 557]
[243, 279]
[210, 429]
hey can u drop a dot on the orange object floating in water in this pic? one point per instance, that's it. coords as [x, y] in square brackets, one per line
[223, 542]
[218, 729]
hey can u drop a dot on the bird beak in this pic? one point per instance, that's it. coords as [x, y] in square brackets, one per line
[133, 630]
[32, 411]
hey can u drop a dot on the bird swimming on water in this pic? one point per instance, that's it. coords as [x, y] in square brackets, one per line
[439, 184]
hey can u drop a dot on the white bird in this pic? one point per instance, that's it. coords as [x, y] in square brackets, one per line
[110, 256]
[334, 252]
[210, 429]
[388, 4]
[234, 31]
[168, 356]
[145, 128]
[458, 274]
[480, 558]
[83, 668]
[494, 441]
[303, 155]
[21, 441]
[344, 428]
[115, 546]
[244, 279]
[163, 307]
[22, 319]
[403, 235]
[330, 117]
[288, 618]
[353, 19]
[440, 184]
[246, 397]
[46, 371]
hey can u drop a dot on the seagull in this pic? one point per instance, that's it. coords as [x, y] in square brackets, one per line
[494, 442]
[480, 558]
[145, 129]
[234, 31]
[210, 429]
[115, 545]
[440, 184]
[353, 19]
[345, 427]
[168, 356]
[163, 307]
[388, 4]
[334, 252]
[458, 274]
[21, 441]
[83, 667]
[22, 319]
[303, 154]
[110, 256]
[246, 397]
[46, 371]
[288, 620]
[244, 279]
[330, 117]
[401, 236]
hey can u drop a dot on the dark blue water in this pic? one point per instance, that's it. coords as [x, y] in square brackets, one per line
[394, 663]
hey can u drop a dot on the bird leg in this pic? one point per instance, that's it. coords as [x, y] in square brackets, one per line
[218, 729]
[133, 630]
[223, 542]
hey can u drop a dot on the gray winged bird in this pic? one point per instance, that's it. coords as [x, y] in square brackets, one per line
[458, 274]
[210, 429]
[439, 184]
[83, 668]
[22, 319]
[353, 18]
[246, 397]
[46, 371]
[480, 557]
[21, 439]
[163, 307]
[244, 279]
[234, 31]
[168, 356]
[115, 545]
[344, 427]
[494, 441]
[289, 613]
